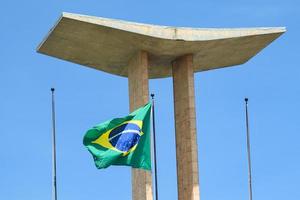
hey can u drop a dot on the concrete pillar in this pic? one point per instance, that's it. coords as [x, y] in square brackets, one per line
[138, 96]
[185, 126]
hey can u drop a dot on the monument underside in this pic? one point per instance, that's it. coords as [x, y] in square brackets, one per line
[108, 45]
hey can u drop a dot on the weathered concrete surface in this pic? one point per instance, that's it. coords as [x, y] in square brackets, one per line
[107, 44]
[185, 126]
[139, 96]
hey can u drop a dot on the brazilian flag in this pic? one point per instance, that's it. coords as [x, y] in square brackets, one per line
[122, 141]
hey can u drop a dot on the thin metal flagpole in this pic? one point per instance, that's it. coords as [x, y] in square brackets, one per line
[248, 150]
[54, 191]
[154, 147]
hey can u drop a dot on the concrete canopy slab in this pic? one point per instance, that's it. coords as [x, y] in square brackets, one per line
[108, 45]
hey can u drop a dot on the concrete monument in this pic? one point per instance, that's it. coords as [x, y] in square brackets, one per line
[141, 52]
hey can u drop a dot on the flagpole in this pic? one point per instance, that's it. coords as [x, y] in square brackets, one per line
[54, 191]
[248, 150]
[154, 147]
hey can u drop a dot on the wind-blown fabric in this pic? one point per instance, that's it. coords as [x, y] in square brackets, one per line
[122, 141]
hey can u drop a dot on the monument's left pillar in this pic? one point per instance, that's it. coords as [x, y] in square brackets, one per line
[138, 96]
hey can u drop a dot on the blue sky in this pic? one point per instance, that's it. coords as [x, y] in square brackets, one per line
[85, 97]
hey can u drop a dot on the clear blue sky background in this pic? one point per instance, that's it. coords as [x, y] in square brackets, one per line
[86, 97]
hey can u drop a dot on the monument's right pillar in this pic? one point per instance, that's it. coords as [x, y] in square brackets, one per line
[185, 126]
